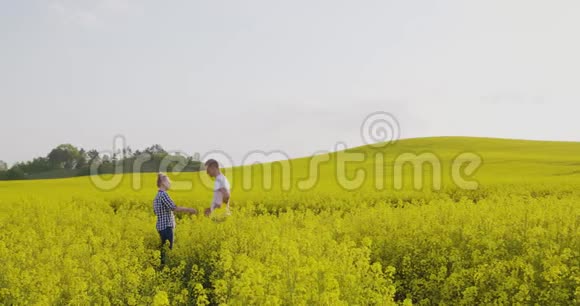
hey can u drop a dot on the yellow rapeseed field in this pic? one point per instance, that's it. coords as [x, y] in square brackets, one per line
[311, 232]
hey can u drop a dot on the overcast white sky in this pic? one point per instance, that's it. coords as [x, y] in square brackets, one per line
[296, 76]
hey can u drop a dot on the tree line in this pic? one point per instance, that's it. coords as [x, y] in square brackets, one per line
[67, 160]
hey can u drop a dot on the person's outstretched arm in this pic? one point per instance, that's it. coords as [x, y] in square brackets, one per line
[168, 202]
[185, 210]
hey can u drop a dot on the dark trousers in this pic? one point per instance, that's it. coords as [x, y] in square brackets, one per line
[166, 235]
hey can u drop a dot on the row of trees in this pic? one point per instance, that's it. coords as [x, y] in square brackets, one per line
[67, 160]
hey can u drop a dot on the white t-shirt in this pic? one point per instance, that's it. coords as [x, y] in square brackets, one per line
[220, 182]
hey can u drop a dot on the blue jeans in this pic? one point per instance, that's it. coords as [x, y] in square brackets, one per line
[166, 235]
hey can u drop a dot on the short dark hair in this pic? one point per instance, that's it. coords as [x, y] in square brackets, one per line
[211, 162]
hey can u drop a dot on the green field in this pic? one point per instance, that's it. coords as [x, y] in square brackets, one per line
[308, 239]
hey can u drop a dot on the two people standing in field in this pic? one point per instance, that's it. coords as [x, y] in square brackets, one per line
[163, 205]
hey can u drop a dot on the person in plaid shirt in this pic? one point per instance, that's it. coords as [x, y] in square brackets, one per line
[164, 207]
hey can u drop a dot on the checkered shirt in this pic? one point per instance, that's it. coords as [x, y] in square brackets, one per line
[163, 207]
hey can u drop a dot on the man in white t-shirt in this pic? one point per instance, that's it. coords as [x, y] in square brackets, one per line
[221, 189]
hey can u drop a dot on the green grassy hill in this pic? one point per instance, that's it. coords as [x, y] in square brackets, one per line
[503, 161]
